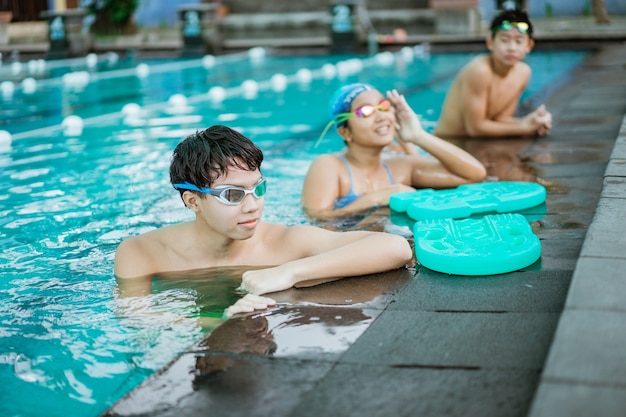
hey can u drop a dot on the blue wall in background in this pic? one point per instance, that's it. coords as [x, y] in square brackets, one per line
[537, 8]
[154, 13]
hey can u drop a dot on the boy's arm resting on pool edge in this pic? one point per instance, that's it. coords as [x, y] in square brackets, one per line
[475, 96]
[327, 254]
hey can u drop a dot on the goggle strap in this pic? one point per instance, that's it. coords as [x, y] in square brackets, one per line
[187, 186]
[340, 118]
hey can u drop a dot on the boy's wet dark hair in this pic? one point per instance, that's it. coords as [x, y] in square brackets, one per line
[204, 156]
[511, 16]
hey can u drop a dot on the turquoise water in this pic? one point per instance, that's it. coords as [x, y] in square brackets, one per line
[68, 198]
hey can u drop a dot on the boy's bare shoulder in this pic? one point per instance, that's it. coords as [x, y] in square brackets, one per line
[278, 232]
[282, 239]
[153, 242]
[139, 255]
[480, 66]
[280, 235]
[523, 68]
[133, 257]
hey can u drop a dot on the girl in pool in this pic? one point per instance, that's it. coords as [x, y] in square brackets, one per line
[365, 174]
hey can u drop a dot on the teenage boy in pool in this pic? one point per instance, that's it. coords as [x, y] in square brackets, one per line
[483, 98]
[218, 174]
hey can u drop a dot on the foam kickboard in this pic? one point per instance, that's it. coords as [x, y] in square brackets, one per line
[493, 244]
[468, 199]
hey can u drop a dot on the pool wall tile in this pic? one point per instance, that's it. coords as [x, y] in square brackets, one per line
[604, 291]
[574, 358]
[570, 399]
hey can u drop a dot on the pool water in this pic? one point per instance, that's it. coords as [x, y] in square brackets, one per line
[69, 195]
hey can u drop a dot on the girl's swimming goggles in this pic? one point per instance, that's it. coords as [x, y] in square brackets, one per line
[361, 112]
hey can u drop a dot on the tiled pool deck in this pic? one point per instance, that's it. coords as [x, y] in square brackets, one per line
[546, 341]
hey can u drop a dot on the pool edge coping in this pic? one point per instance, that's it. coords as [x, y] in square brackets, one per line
[580, 372]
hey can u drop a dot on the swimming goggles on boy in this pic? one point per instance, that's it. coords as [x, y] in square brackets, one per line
[231, 195]
[522, 27]
[361, 112]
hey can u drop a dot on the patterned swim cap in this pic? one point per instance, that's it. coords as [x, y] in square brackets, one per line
[343, 98]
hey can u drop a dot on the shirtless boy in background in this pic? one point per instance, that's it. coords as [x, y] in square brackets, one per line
[483, 99]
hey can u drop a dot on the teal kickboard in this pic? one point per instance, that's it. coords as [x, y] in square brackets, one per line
[493, 244]
[468, 199]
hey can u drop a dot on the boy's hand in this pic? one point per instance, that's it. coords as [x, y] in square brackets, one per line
[263, 281]
[540, 119]
[545, 118]
[248, 304]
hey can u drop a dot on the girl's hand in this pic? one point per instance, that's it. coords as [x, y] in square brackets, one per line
[381, 197]
[408, 124]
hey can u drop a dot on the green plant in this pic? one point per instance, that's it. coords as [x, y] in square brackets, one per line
[586, 10]
[112, 16]
[549, 10]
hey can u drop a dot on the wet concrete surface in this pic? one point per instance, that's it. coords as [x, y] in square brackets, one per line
[417, 342]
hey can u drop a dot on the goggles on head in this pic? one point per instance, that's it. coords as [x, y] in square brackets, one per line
[522, 27]
[361, 112]
[231, 195]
